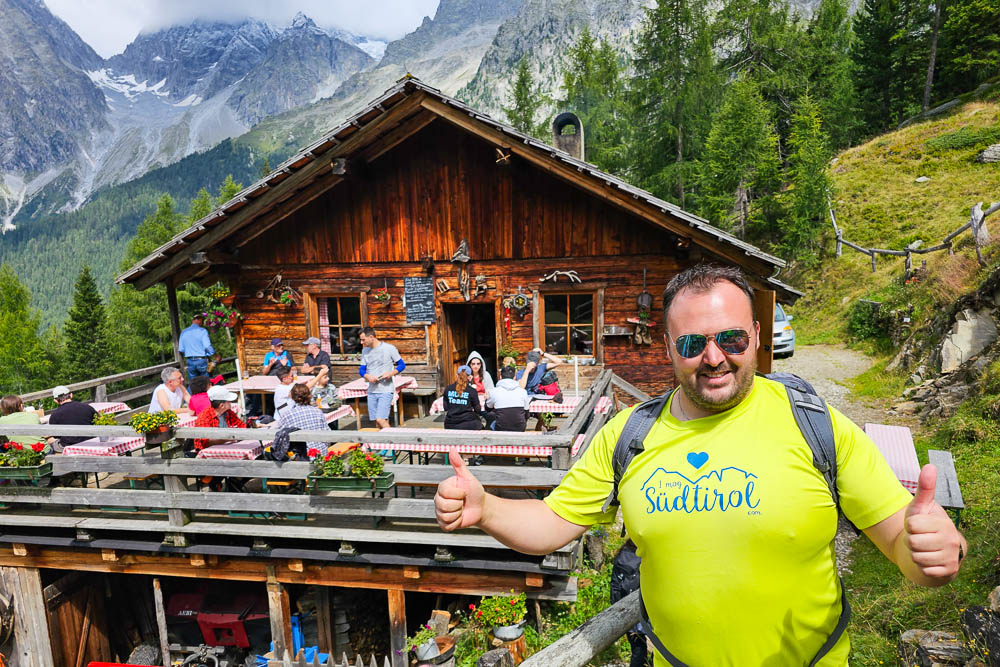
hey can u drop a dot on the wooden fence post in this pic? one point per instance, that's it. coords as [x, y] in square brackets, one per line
[397, 627]
[281, 622]
[31, 619]
[161, 621]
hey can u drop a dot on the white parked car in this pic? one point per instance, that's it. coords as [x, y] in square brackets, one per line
[784, 335]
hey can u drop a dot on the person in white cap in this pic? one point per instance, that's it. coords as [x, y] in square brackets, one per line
[219, 415]
[69, 412]
[316, 357]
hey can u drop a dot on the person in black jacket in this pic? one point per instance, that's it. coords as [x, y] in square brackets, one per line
[461, 403]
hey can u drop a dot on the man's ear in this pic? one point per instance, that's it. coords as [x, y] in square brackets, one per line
[756, 326]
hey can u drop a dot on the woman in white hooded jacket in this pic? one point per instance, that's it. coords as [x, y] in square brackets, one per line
[480, 376]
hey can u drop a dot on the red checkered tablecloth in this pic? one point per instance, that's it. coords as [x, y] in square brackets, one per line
[113, 447]
[112, 407]
[358, 388]
[495, 450]
[896, 445]
[256, 384]
[117, 446]
[242, 450]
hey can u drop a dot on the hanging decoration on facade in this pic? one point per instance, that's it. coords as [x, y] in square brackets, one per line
[427, 263]
[519, 303]
[480, 286]
[280, 291]
[442, 285]
[461, 256]
[643, 322]
[554, 277]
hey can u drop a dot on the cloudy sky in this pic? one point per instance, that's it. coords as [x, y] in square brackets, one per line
[109, 25]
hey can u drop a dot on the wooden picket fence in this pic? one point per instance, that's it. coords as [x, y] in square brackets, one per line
[976, 223]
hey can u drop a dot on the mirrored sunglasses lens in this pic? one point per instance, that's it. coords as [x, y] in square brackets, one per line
[691, 345]
[733, 341]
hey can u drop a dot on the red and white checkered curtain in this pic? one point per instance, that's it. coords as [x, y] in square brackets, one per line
[324, 326]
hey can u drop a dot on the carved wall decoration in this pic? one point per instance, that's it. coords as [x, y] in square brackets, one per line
[554, 277]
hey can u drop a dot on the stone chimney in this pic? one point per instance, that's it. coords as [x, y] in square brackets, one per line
[567, 134]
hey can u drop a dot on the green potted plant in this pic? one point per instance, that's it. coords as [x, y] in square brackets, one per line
[24, 461]
[363, 471]
[423, 643]
[156, 426]
[506, 349]
[381, 295]
[504, 613]
[104, 419]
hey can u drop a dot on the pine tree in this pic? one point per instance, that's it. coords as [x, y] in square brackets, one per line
[672, 95]
[87, 350]
[970, 44]
[525, 100]
[807, 171]
[227, 190]
[26, 364]
[741, 161]
[200, 206]
[827, 57]
[595, 91]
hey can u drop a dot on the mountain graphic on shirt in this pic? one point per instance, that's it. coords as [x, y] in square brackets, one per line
[662, 477]
[669, 491]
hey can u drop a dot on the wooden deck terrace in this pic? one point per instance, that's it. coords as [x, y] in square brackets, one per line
[335, 539]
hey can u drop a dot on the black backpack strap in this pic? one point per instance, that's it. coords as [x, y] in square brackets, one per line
[647, 629]
[629, 442]
[813, 418]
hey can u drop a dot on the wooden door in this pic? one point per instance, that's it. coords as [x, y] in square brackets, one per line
[455, 340]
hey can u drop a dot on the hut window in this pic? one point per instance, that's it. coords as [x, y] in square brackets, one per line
[569, 323]
[342, 324]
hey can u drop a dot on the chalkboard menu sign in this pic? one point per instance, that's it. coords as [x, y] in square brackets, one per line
[418, 295]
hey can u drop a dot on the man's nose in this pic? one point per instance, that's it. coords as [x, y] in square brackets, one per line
[713, 354]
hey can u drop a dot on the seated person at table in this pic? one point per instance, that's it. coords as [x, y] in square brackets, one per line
[198, 386]
[480, 376]
[301, 415]
[282, 399]
[219, 414]
[171, 395]
[69, 412]
[323, 391]
[316, 357]
[539, 363]
[277, 358]
[14, 412]
[461, 403]
[508, 403]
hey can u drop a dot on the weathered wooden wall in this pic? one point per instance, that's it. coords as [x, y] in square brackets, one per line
[421, 199]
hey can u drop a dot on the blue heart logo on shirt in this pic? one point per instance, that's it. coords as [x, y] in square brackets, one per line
[697, 459]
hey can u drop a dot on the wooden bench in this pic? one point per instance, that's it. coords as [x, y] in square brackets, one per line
[422, 394]
[947, 492]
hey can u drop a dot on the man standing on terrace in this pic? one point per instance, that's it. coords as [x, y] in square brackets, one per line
[196, 347]
[380, 361]
[733, 521]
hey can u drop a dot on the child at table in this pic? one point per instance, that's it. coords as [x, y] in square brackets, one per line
[198, 386]
[323, 391]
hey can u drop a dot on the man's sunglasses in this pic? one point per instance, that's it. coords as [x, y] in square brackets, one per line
[731, 341]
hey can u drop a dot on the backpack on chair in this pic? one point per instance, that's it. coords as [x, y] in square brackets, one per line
[812, 415]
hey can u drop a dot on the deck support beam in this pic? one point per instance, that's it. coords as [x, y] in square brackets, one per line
[31, 619]
[397, 627]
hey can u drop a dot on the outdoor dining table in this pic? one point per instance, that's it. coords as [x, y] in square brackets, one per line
[487, 450]
[241, 450]
[357, 388]
[119, 446]
[896, 445]
[539, 406]
[107, 407]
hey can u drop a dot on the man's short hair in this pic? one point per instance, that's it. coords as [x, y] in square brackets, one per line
[508, 372]
[301, 394]
[217, 404]
[368, 331]
[703, 277]
[282, 371]
[198, 316]
[167, 373]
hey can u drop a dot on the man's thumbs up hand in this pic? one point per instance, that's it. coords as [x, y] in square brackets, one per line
[931, 537]
[459, 500]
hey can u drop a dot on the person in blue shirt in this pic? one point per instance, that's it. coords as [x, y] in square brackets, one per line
[278, 356]
[196, 347]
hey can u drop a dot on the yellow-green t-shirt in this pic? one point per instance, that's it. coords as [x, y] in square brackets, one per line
[735, 527]
[22, 418]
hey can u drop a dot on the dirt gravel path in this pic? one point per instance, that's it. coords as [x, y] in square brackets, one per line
[828, 368]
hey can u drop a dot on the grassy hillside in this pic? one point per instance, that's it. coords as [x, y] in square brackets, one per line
[879, 204]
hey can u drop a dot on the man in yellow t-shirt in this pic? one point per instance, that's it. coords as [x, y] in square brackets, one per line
[733, 521]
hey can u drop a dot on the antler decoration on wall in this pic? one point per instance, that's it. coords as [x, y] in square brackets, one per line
[276, 288]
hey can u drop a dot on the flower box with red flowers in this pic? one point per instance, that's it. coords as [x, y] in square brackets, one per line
[365, 471]
[23, 461]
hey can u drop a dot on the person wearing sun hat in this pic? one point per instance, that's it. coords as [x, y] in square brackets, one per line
[69, 412]
[461, 403]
